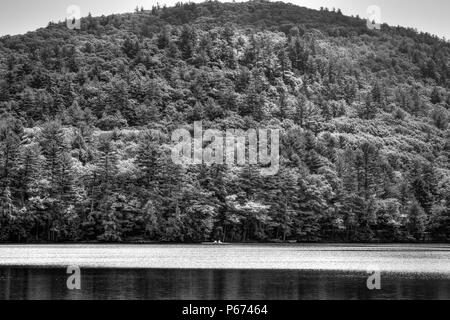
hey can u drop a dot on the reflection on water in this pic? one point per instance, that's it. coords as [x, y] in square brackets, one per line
[50, 283]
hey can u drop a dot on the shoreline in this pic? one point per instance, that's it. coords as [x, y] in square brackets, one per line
[299, 244]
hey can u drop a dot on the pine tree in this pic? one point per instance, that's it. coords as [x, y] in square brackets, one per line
[66, 180]
[298, 54]
[7, 212]
[29, 105]
[131, 48]
[284, 62]
[163, 39]
[377, 95]
[311, 157]
[435, 96]
[10, 138]
[440, 222]
[106, 163]
[416, 220]
[30, 170]
[147, 157]
[367, 169]
[367, 109]
[54, 147]
[423, 185]
[282, 193]
[187, 42]
[110, 230]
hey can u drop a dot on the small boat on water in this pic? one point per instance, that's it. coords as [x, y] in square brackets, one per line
[215, 242]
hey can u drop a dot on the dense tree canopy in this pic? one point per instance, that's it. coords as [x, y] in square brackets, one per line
[86, 117]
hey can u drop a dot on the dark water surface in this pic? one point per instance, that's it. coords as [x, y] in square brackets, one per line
[50, 283]
[252, 271]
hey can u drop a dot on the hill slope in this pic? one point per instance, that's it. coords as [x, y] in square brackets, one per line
[87, 116]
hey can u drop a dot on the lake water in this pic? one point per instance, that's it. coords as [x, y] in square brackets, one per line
[225, 271]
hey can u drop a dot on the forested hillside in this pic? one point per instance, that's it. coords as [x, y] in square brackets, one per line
[86, 118]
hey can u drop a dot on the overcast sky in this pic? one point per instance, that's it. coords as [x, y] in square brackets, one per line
[21, 16]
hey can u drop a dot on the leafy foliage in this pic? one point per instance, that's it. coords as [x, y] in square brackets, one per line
[86, 117]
